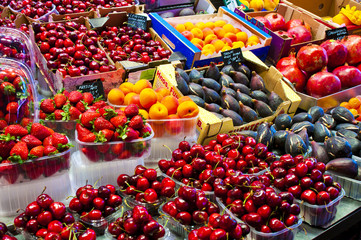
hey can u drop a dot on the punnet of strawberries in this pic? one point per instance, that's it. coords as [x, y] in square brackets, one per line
[22, 152]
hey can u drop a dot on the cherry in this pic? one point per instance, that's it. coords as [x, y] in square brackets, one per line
[264, 211]
[184, 218]
[253, 219]
[276, 225]
[199, 217]
[57, 209]
[44, 218]
[150, 174]
[227, 223]
[291, 220]
[323, 198]
[89, 234]
[32, 226]
[309, 196]
[33, 209]
[334, 192]
[104, 192]
[55, 226]
[44, 200]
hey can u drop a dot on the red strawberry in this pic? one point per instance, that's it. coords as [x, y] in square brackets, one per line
[12, 107]
[115, 136]
[7, 142]
[47, 105]
[3, 124]
[11, 118]
[48, 141]
[61, 115]
[107, 112]
[25, 122]
[131, 134]
[16, 130]
[118, 148]
[7, 88]
[82, 106]
[84, 134]
[91, 153]
[39, 131]
[59, 100]
[19, 152]
[88, 118]
[59, 140]
[65, 92]
[37, 152]
[101, 123]
[88, 98]
[52, 167]
[136, 122]
[92, 108]
[125, 154]
[50, 150]
[105, 135]
[31, 141]
[119, 121]
[103, 148]
[131, 110]
[75, 96]
[9, 171]
[99, 104]
[74, 113]
[19, 83]
[42, 115]
[33, 170]
[145, 132]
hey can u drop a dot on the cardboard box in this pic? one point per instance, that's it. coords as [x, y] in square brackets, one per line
[325, 8]
[57, 17]
[56, 81]
[102, 12]
[208, 124]
[193, 55]
[205, 6]
[281, 46]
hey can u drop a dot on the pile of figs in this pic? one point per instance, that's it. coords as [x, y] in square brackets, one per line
[228, 92]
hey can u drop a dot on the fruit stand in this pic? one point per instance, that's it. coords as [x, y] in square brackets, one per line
[187, 119]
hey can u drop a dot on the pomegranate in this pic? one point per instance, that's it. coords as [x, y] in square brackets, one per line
[299, 34]
[311, 58]
[353, 45]
[282, 34]
[322, 84]
[336, 53]
[276, 20]
[287, 61]
[349, 76]
[359, 67]
[295, 23]
[264, 21]
[295, 76]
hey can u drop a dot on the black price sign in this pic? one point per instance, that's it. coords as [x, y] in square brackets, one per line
[137, 21]
[337, 33]
[233, 57]
[94, 87]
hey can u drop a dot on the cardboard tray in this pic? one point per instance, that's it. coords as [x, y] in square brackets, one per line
[208, 124]
[322, 8]
[198, 5]
[193, 55]
[281, 46]
[57, 17]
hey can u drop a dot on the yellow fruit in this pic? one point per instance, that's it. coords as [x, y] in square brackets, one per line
[257, 5]
[220, 23]
[239, 44]
[270, 5]
[254, 38]
[200, 25]
[229, 28]
[180, 28]
[226, 48]
[242, 36]
[209, 47]
[341, 19]
[245, 2]
[189, 26]
[209, 25]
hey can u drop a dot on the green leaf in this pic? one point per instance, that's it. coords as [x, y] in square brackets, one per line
[7, 137]
[100, 137]
[28, 127]
[146, 134]
[65, 115]
[50, 117]
[62, 147]
[98, 99]
[15, 159]
[109, 113]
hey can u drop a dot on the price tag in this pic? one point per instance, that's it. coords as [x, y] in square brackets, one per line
[94, 87]
[137, 21]
[233, 57]
[337, 33]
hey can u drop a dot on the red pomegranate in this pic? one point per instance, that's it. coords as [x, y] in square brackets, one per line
[295, 76]
[336, 53]
[287, 61]
[349, 76]
[276, 20]
[299, 34]
[311, 58]
[353, 45]
[264, 21]
[295, 23]
[282, 33]
[359, 67]
[322, 84]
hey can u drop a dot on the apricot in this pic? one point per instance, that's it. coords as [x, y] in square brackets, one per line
[238, 44]
[197, 33]
[231, 36]
[210, 38]
[126, 87]
[229, 28]
[200, 25]
[171, 103]
[180, 27]
[209, 48]
[249, 44]
[187, 109]
[209, 25]
[128, 97]
[254, 38]
[227, 41]
[198, 46]
[135, 99]
[116, 96]
[226, 48]
[158, 111]
[206, 32]
[187, 34]
[219, 32]
[140, 85]
[220, 23]
[148, 97]
[218, 44]
[242, 36]
[189, 26]
[144, 113]
[159, 97]
[163, 91]
[184, 99]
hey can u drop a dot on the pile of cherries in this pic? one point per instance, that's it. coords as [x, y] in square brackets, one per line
[32, 9]
[71, 49]
[144, 185]
[126, 43]
[13, 47]
[202, 166]
[305, 179]
[94, 204]
[4, 232]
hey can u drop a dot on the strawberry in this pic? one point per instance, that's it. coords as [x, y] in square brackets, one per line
[99, 104]
[75, 96]
[91, 153]
[7, 142]
[7, 88]
[36, 152]
[39, 131]
[131, 110]
[50, 150]
[59, 140]
[88, 118]
[42, 115]
[105, 135]
[131, 134]
[52, 168]
[31, 141]
[74, 113]
[88, 98]
[26, 121]
[125, 154]
[115, 136]
[107, 111]
[48, 141]
[92, 108]
[103, 148]
[9, 171]
[118, 148]
[136, 122]
[65, 92]
[82, 106]
[119, 121]
[19, 152]
[12, 107]
[19, 84]
[101, 123]
[16, 130]
[59, 114]
[59, 100]
[33, 170]
[84, 134]
[3, 124]
[145, 132]
[47, 105]
[11, 118]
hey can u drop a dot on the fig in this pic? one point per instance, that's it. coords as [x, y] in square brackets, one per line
[241, 87]
[229, 91]
[274, 100]
[347, 126]
[245, 70]
[259, 95]
[320, 132]
[239, 77]
[197, 100]
[355, 144]
[315, 112]
[346, 134]
[213, 72]
[196, 89]
[183, 74]
[337, 147]
[328, 121]
[229, 102]
[262, 108]
[212, 107]
[195, 76]
[300, 117]
[343, 115]
[237, 119]
[248, 133]
[264, 135]
[303, 134]
[244, 98]
[181, 84]
[319, 152]
[211, 83]
[225, 80]
[279, 139]
[247, 113]
[295, 145]
[344, 166]
[297, 127]
[227, 69]
[257, 82]
[283, 121]
[211, 96]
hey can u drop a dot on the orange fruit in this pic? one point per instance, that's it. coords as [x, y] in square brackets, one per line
[135, 99]
[128, 97]
[140, 85]
[158, 111]
[210, 38]
[218, 44]
[187, 34]
[254, 38]
[197, 41]
[219, 32]
[226, 48]
[189, 26]
[163, 91]
[209, 25]
[200, 25]
[206, 31]
[227, 41]
[220, 23]
[184, 99]
[197, 33]
[231, 36]
[171, 103]
[148, 97]
[242, 36]
[126, 87]
[180, 27]
[354, 103]
[239, 44]
[345, 105]
[144, 113]
[229, 28]
[187, 109]
[354, 112]
[116, 96]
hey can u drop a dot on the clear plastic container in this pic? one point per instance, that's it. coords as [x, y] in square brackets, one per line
[15, 40]
[108, 236]
[319, 215]
[65, 127]
[43, 18]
